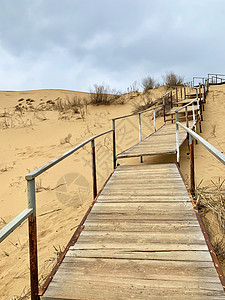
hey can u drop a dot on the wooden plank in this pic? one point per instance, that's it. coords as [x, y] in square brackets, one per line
[128, 279]
[194, 256]
[140, 241]
[138, 238]
[143, 226]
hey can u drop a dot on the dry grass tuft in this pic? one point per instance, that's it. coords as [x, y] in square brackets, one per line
[103, 95]
[212, 197]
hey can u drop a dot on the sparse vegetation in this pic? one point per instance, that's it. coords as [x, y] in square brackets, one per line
[213, 198]
[172, 80]
[102, 95]
[148, 83]
[133, 88]
[147, 101]
[66, 139]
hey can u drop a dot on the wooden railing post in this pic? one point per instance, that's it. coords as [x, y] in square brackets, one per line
[154, 119]
[177, 139]
[114, 143]
[94, 169]
[176, 96]
[192, 164]
[32, 225]
[164, 109]
[140, 137]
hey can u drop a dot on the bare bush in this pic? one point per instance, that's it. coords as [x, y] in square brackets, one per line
[102, 95]
[171, 80]
[148, 83]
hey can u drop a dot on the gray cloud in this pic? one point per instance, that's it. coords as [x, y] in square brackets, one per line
[74, 44]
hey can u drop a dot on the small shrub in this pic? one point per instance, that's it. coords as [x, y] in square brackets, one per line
[148, 83]
[102, 95]
[171, 79]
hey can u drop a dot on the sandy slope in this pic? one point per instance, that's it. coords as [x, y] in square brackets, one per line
[31, 139]
[65, 191]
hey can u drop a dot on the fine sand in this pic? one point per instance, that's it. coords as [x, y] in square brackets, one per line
[33, 137]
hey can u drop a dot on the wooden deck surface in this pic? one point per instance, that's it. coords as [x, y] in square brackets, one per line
[189, 109]
[163, 141]
[141, 240]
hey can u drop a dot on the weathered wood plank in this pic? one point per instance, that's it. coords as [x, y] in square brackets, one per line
[140, 241]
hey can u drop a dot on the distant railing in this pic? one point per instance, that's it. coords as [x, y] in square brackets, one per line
[30, 212]
[216, 78]
[166, 98]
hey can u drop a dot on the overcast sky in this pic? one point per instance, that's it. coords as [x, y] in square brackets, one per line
[71, 44]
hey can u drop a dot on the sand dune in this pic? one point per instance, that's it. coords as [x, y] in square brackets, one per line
[33, 137]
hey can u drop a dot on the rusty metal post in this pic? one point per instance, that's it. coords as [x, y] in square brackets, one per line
[184, 92]
[177, 139]
[94, 169]
[171, 100]
[114, 143]
[140, 137]
[192, 165]
[32, 226]
[177, 95]
[154, 117]
[164, 109]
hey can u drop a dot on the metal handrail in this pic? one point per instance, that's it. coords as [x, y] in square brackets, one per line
[182, 107]
[135, 114]
[193, 135]
[55, 161]
[219, 155]
[30, 212]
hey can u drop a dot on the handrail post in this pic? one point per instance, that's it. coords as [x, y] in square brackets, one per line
[193, 112]
[94, 168]
[140, 138]
[192, 164]
[154, 119]
[177, 139]
[171, 99]
[184, 92]
[200, 94]
[164, 109]
[32, 225]
[176, 96]
[114, 143]
[139, 119]
[196, 92]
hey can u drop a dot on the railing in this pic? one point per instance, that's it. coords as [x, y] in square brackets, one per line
[186, 116]
[166, 98]
[216, 78]
[30, 212]
[194, 136]
[198, 77]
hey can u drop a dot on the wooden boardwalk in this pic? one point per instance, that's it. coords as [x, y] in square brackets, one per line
[163, 141]
[140, 241]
